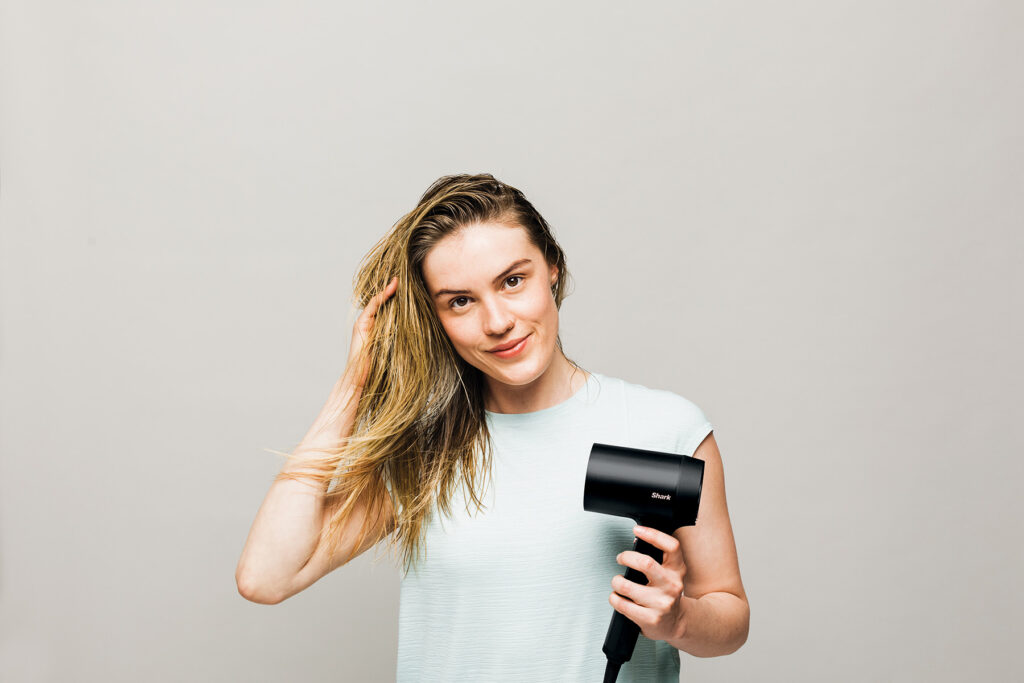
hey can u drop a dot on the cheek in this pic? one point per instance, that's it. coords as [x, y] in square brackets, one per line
[449, 329]
[459, 332]
[550, 313]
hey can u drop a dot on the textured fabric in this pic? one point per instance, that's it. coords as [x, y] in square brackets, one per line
[519, 591]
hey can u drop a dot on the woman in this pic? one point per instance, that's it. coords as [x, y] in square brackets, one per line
[456, 370]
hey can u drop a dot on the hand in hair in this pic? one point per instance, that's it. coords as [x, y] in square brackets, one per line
[357, 360]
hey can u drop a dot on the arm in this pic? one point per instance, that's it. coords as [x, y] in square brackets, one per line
[288, 526]
[716, 624]
[284, 552]
[717, 618]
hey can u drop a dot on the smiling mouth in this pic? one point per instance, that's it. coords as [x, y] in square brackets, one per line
[510, 346]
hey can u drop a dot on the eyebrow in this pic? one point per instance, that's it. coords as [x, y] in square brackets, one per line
[496, 280]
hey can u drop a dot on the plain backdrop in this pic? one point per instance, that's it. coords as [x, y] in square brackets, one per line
[804, 217]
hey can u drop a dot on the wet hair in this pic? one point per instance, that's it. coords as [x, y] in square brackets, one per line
[420, 422]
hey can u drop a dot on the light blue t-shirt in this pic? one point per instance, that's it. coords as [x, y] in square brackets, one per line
[519, 591]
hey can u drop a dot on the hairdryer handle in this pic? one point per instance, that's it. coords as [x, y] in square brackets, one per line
[623, 631]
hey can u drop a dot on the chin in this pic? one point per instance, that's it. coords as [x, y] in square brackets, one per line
[523, 373]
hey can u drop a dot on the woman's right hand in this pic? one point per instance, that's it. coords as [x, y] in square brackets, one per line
[357, 360]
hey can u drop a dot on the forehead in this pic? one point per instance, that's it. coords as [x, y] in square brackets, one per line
[476, 254]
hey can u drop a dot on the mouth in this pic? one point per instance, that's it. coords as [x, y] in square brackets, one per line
[509, 345]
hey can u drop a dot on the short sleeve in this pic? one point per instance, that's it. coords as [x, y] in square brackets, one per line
[693, 426]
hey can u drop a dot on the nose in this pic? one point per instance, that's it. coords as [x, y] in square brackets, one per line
[497, 321]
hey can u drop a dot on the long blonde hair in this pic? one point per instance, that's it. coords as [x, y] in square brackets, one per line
[420, 421]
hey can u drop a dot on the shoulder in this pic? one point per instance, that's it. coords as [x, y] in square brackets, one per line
[663, 410]
[663, 402]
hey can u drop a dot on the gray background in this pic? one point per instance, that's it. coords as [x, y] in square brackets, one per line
[805, 217]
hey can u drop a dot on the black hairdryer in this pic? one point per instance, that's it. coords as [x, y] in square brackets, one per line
[658, 490]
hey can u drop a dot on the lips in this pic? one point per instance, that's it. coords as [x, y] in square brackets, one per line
[505, 347]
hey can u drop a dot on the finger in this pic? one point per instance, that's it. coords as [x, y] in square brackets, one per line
[371, 308]
[672, 554]
[644, 564]
[657, 538]
[375, 302]
[388, 290]
[645, 596]
[633, 611]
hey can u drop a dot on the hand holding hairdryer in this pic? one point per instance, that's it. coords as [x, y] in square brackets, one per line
[657, 490]
[658, 619]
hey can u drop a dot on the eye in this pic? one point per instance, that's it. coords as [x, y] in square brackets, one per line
[451, 304]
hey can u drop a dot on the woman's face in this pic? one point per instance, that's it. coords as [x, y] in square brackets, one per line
[494, 297]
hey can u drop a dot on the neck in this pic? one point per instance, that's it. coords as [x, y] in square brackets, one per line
[556, 384]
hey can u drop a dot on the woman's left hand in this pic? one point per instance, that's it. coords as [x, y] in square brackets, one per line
[659, 607]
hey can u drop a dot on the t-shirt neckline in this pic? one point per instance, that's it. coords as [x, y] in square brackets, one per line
[556, 410]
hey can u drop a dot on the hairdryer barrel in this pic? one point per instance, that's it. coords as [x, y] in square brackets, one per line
[658, 490]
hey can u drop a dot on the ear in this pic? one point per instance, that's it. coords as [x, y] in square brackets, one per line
[553, 274]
